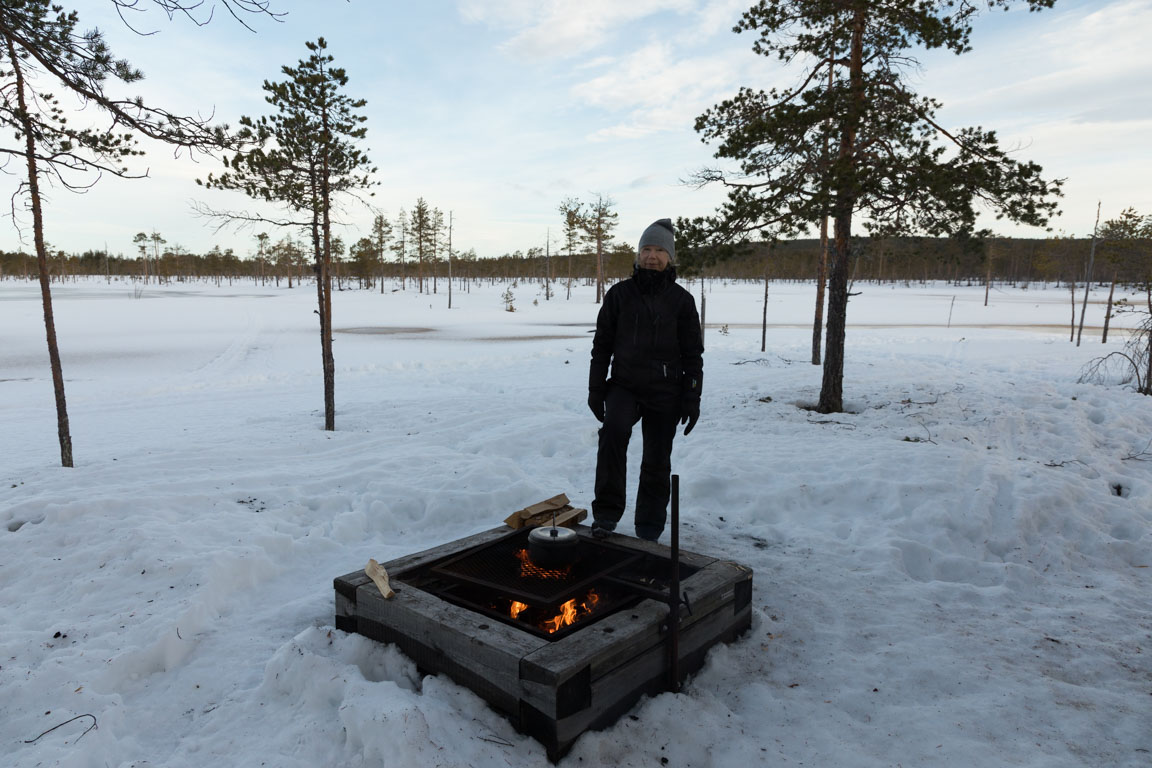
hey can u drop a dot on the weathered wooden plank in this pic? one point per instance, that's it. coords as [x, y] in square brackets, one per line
[604, 644]
[435, 619]
[653, 663]
[617, 692]
[710, 588]
[605, 647]
[345, 613]
[347, 584]
[453, 639]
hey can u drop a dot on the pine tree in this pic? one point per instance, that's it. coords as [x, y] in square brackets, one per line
[439, 226]
[421, 227]
[306, 156]
[597, 224]
[363, 261]
[890, 160]
[141, 243]
[570, 209]
[43, 56]
[381, 234]
[450, 223]
[400, 246]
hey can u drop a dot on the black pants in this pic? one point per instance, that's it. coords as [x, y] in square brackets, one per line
[621, 412]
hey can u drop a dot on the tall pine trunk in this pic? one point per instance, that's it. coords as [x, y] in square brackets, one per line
[764, 316]
[318, 268]
[599, 268]
[1088, 276]
[832, 386]
[1108, 313]
[821, 282]
[988, 273]
[1072, 295]
[320, 244]
[822, 266]
[1148, 342]
[325, 279]
[326, 275]
[62, 429]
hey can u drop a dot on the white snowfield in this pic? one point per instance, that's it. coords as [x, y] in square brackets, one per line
[955, 573]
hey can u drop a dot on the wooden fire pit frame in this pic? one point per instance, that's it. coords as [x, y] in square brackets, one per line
[551, 690]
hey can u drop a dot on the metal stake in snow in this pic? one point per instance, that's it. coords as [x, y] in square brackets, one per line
[674, 594]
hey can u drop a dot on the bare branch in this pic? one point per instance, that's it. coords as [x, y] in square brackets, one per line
[188, 9]
[242, 219]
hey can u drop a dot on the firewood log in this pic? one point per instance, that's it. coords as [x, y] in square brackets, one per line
[379, 577]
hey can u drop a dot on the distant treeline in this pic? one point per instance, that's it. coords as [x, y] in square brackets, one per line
[1005, 260]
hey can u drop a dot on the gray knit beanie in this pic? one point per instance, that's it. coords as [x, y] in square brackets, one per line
[660, 234]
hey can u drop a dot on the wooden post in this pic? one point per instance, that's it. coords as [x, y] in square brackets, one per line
[449, 259]
[988, 275]
[703, 308]
[1088, 274]
[1108, 312]
[1072, 325]
[764, 319]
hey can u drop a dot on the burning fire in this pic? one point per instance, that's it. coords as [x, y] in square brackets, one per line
[529, 569]
[570, 612]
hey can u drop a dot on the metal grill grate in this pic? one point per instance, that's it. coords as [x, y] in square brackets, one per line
[504, 566]
[535, 619]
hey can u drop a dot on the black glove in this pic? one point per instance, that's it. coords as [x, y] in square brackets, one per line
[596, 403]
[689, 413]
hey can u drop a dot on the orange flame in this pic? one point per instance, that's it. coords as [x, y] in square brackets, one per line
[570, 613]
[529, 569]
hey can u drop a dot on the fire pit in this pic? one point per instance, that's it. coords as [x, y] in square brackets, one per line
[558, 650]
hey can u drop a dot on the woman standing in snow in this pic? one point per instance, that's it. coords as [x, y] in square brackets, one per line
[648, 333]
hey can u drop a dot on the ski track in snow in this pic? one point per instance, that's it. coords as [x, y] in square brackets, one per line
[955, 572]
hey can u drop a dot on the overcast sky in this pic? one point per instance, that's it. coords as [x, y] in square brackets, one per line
[497, 110]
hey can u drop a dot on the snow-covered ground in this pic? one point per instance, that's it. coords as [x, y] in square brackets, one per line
[956, 573]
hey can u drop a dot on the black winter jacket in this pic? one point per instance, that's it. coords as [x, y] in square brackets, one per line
[649, 331]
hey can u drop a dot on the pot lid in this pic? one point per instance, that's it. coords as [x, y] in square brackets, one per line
[550, 535]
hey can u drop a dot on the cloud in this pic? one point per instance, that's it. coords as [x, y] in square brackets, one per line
[1078, 64]
[716, 17]
[505, 14]
[566, 28]
[572, 27]
[659, 92]
[660, 83]
[1118, 110]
